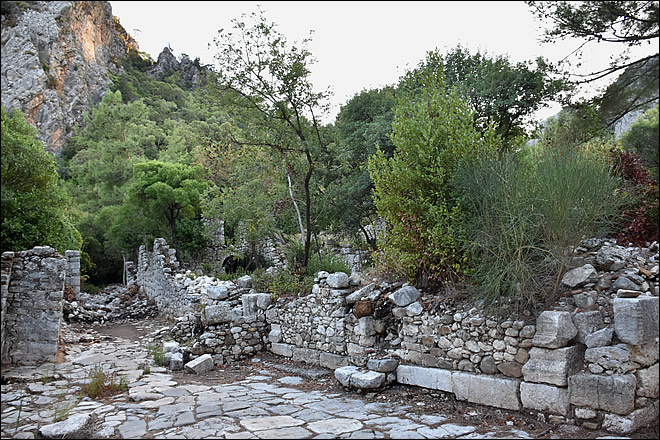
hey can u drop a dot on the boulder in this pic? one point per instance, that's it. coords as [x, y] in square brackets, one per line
[580, 276]
[404, 296]
[554, 329]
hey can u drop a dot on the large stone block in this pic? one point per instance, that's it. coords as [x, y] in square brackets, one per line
[486, 390]
[546, 398]
[200, 365]
[637, 419]
[332, 361]
[405, 296]
[552, 366]
[433, 378]
[554, 329]
[636, 319]
[307, 355]
[285, 350]
[217, 314]
[647, 382]
[337, 280]
[586, 324]
[612, 357]
[615, 394]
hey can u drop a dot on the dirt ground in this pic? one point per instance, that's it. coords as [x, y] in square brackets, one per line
[425, 401]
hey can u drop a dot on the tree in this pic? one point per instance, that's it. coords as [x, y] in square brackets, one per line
[625, 23]
[163, 193]
[274, 79]
[433, 132]
[642, 139]
[35, 208]
[363, 125]
[497, 90]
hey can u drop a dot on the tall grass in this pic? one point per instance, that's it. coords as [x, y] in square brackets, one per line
[522, 218]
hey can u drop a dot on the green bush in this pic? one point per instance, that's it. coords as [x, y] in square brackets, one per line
[433, 133]
[157, 354]
[642, 138]
[327, 262]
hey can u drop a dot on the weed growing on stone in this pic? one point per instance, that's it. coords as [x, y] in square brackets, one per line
[100, 384]
[62, 408]
[157, 354]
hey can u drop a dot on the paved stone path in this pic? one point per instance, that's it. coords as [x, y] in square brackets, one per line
[262, 405]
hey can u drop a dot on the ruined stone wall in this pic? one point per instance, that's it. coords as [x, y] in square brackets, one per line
[32, 288]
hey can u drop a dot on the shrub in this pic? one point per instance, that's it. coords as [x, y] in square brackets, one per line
[100, 384]
[157, 354]
[639, 200]
[433, 133]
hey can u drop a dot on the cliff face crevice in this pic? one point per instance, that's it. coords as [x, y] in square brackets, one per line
[57, 58]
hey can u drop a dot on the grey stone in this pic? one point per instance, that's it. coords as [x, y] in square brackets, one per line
[249, 302]
[510, 369]
[275, 334]
[632, 422]
[545, 398]
[486, 390]
[307, 355]
[614, 394]
[270, 422]
[615, 357]
[263, 300]
[332, 361]
[335, 426]
[344, 374]
[625, 284]
[552, 366]
[599, 338]
[176, 362]
[433, 378]
[580, 276]
[217, 314]
[488, 365]
[337, 280]
[200, 365]
[367, 379]
[612, 257]
[646, 354]
[383, 365]
[244, 282]
[414, 309]
[217, 292]
[285, 350]
[405, 296]
[586, 324]
[70, 427]
[360, 294]
[636, 319]
[647, 382]
[583, 300]
[554, 329]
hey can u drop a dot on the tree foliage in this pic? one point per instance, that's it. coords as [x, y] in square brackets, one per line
[35, 208]
[273, 79]
[432, 134]
[497, 90]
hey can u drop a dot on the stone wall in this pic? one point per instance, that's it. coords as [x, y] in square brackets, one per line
[32, 288]
[591, 360]
[72, 279]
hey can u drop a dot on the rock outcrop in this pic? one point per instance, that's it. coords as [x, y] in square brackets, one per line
[57, 58]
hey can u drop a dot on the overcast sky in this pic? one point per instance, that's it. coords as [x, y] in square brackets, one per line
[358, 45]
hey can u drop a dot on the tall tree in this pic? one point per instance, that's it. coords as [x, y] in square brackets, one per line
[627, 24]
[497, 90]
[35, 208]
[274, 79]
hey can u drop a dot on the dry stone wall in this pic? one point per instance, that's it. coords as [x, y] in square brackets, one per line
[590, 360]
[32, 288]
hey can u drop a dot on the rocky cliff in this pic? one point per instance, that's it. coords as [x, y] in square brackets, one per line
[57, 57]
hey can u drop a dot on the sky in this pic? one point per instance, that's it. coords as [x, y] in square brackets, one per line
[359, 45]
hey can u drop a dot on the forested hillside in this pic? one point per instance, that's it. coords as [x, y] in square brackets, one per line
[434, 174]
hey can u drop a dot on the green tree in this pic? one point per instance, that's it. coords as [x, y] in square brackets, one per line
[433, 133]
[363, 125]
[160, 195]
[498, 91]
[35, 208]
[642, 138]
[274, 80]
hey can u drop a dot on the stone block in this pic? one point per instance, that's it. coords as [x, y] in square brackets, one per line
[275, 334]
[367, 380]
[545, 398]
[404, 296]
[614, 394]
[486, 390]
[337, 280]
[263, 300]
[170, 346]
[366, 326]
[432, 378]
[360, 294]
[176, 361]
[307, 355]
[244, 282]
[647, 382]
[636, 319]
[612, 257]
[332, 361]
[72, 427]
[217, 292]
[580, 276]
[632, 422]
[383, 365]
[249, 302]
[611, 357]
[217, 314]
[343, 374]
[200, 365]
[599, 338]
[552, 366]
[280, 349]
[554, 329]
[586, 324]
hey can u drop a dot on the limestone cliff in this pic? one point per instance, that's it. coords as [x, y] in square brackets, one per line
[57, 57]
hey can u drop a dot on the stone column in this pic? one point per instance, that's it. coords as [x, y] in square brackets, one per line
[72, 271]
